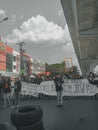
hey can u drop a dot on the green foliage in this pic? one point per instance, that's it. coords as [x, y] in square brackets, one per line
[55, 68]
[60, 68]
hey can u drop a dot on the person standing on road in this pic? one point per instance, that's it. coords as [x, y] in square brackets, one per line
[59, 89]
[92, 79]
[6, 91]
[17, 91]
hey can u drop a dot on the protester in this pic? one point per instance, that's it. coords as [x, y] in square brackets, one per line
[92, 79]
[59, 89]
[6, 91]
[17, 91]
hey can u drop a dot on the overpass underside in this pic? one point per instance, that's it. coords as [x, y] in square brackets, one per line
[82, 20]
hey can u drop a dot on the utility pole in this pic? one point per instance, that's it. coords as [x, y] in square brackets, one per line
[21, 50]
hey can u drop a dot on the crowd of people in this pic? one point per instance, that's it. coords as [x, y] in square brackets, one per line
[10, 93]
[6, 88]
[58, 80]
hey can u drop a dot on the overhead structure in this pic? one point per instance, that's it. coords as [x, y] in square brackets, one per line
[82, 20]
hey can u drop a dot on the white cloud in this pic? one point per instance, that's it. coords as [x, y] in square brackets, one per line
[45, 40]
[39, 29]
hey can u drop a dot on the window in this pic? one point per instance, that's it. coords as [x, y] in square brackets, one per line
[14, 66]
[14, 58]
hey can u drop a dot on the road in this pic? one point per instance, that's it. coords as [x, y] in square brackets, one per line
[76, 114]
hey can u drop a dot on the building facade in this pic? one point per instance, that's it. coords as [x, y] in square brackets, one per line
[12, 61]
[16, 62]
[38, 66]
[26, 66]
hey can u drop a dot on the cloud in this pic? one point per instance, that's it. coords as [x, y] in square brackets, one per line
[38, 29]
[45, 40]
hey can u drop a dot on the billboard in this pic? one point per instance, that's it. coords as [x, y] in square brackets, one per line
[68, 64]
[6, 58]
[2, 58]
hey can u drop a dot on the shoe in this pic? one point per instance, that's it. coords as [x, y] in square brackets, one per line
[59, 105]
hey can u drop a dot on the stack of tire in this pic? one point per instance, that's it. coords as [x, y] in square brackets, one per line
[27, 118]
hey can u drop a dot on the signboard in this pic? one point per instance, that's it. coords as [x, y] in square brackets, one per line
[68, 63]
[2, 58]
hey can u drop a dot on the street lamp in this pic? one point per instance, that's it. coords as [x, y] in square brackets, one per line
[4, 19]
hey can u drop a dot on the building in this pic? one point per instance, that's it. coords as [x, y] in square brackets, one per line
[38, 66]
[12, 62]
[26, 64]
[7, 63]
[2, 57]
[16, 62]
[9, 59]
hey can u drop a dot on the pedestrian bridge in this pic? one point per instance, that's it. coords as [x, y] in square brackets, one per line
[82, 20]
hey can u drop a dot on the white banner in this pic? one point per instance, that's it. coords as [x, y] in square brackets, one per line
[70, 88]
[29, 89]
[79, 88]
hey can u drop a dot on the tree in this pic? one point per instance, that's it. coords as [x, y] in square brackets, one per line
[60, 68]
[55, 68]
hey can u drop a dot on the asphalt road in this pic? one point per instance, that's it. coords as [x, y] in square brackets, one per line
[76, 114]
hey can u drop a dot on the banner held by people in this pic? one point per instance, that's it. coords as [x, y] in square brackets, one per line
[70, 88]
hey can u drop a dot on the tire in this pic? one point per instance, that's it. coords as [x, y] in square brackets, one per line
[26, 115]
[36, 126]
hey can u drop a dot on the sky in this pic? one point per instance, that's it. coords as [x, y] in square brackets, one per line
[41, 24]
